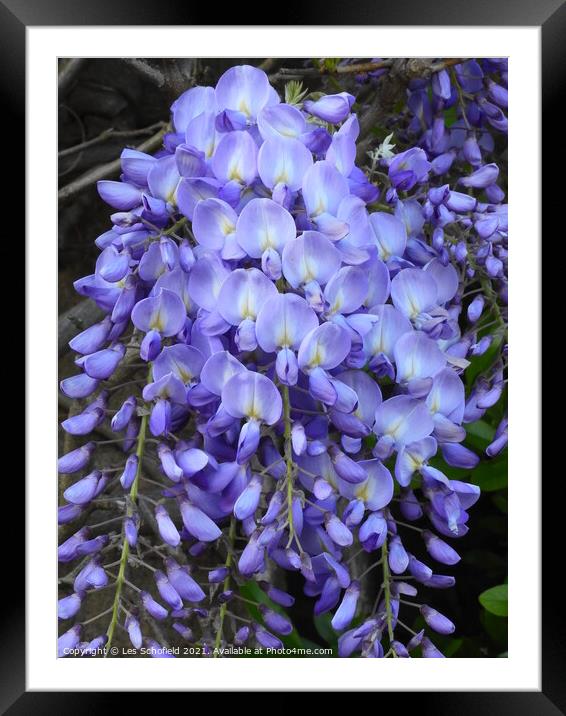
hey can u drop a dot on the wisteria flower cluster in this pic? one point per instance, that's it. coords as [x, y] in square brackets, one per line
[282, 362]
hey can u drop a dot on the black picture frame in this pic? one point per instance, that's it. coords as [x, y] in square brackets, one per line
[550, 15]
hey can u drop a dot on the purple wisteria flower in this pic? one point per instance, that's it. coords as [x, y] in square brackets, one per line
[284, 363]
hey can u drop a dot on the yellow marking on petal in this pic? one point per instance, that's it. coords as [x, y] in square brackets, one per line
[247, 309]
[309, 270]
[157, 322]
[330, 477]
[414, 308]
[172, 196]
[250, 410]
[284, 340]
[362, 491]
[416, 463]
[434, 407]
[320, 207]
[266, 241]
[243, 108]
[392, 430]
[318, 357]
[227, 227]
[184, 374]
[339, 301]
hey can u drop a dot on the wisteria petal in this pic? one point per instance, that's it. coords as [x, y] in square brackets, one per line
[184, 361]
[198, 523]
[347, 290]
[310, 257]
[404, 419]
[390, 234]
[281, 120]
[245, 89]
[332, 108]
[218, 369]
[323, 189]
[413, 292]
[386, 331]
[201, 134]
[325, 346]
[235, 158]
[368, 392]
[164, 313]
[252, 395]
[446, 279]
[342, 153]
[447, 395]
[120, 195]
[213, 221]
[417, 356]
[283, 160]
[248, 443]
[243, 294]
[79, 386]
[262, 225]
[194, 189]
[205, 281]
[283, 321]
[191, 104]
[163, 179]
[379, 282]
[377, 490]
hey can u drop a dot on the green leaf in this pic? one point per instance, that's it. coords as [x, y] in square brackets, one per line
[479, 364]
[370, 441]
[491, 475]
[496, 628]
[480, 432]
[330, 63]
[325, 630]
[500, 501]
[494, 600]
[252, 591]
[452, 647]
[450, 116]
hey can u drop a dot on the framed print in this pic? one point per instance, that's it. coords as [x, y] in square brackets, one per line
[298, 362]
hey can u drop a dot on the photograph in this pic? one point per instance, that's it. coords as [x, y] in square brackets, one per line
[283, 372]
[282, 357]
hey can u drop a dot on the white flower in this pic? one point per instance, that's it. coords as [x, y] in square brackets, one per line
[384, 149]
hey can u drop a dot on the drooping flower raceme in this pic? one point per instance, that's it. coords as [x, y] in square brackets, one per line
[283, 361]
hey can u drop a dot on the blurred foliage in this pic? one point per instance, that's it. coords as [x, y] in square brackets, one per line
[494, 600]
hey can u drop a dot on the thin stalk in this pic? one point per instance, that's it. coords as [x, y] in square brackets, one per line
[121, 578]
[226, 586]
[288, 460]
[93, 619]
[387, 590]
[369, 569]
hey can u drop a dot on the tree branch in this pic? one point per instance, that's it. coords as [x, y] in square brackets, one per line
[75, 320]
[68, 74]
[362, 67]
[110, 134]
[107, 170]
